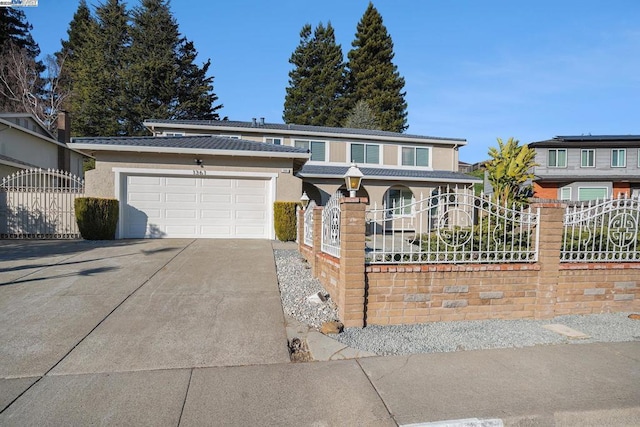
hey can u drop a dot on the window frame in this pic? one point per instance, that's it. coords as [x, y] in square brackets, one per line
[557, 150]
[606, 192]
[232, 136]
[624, 158]
[586, 150]
[562, 189]
[394, 211]
[266, 138]
[310, 144]
[415, 157]
[366, 147]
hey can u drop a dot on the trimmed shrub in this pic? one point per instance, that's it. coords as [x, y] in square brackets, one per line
[97, 218]
[284, 218]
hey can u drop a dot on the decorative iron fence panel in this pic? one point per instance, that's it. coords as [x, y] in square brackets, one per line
[602, 230]
[331, 226]
[39, 204]
[451, 226]
[308, 224]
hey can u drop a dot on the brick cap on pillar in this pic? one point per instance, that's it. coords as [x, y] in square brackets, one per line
[548, 205]
[354, 200]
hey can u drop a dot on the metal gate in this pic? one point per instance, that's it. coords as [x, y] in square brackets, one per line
[39, 204]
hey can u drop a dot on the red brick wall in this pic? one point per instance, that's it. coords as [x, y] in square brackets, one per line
[621, 188]
[430, 293]
[545, 191]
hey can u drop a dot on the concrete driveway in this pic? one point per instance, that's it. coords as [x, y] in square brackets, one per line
[92, 307]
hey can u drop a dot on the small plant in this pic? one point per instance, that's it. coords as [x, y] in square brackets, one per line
[284, 217]
[97, 218]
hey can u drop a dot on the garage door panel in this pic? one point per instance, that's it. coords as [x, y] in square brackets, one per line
[144, 197]
[196, 207]
[181, 197]
[144, 180]
[250, 215]
[180, 214]
[216, 198]
[217, 183]
[215, 214]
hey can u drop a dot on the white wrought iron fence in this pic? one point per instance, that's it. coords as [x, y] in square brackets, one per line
[39, 204]
[331, 226]
[308, 224]
[602, 230]
[451, 226]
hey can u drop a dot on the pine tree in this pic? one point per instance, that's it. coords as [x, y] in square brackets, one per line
[372, 76]
[20, 84]
[81, 28]
[362, 117]
[195, 96]
[98, 101]
[163, 80]
[316, 84]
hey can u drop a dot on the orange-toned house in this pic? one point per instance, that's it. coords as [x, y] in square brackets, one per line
[587, 167]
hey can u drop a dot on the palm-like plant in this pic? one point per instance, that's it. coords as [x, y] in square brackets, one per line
[510, 167]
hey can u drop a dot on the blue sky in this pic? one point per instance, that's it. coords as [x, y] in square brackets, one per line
[473, 69]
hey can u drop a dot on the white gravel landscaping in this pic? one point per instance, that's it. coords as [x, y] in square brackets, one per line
[297, 284]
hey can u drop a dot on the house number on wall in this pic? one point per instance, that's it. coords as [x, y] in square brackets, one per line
[199, 172]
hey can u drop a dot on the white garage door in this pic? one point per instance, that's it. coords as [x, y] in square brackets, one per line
[175, 206]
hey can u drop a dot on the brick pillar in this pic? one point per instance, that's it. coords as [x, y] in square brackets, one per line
[352, 245]
[549, 246]
[317, 239]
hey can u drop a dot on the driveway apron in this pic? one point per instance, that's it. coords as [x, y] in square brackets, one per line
[216, 303]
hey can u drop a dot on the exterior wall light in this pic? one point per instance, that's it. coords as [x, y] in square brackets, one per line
[304, 200]
[353, 179]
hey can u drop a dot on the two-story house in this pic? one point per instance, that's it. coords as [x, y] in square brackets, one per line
[196, 178]
[396, 166]
[580, 168]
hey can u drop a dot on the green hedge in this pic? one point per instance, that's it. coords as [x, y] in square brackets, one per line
[97, 218]
[284, 218]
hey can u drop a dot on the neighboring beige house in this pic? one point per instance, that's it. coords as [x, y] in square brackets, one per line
[25, 144]
[396, 166]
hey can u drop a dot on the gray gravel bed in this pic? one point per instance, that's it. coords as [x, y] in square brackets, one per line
[297, 283]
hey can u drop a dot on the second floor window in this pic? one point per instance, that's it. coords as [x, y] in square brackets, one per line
[618, 158]
[587, 158]
[274, 141]
[557, 158]
[415, 156]
[365, 153]
[317, 149]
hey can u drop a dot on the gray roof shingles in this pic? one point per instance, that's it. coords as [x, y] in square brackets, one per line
[590, 140]
[316, 170]
[204, 142]
[299, 128]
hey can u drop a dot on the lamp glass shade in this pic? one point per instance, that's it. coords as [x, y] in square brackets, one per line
[353, 183]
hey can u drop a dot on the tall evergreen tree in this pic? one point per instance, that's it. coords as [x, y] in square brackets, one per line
[14, 28]
[195, 96]
[316, 84]
[372, 76]
[20, 84]
[98, 98]
[163, 81]
[81, 28]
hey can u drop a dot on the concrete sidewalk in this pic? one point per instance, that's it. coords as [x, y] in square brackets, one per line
[590, 384]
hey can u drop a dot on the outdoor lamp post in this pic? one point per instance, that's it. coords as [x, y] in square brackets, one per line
[353, 178]
[304, 200]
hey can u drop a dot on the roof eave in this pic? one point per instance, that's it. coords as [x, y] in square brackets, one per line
[179, 150]
[443, 141]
